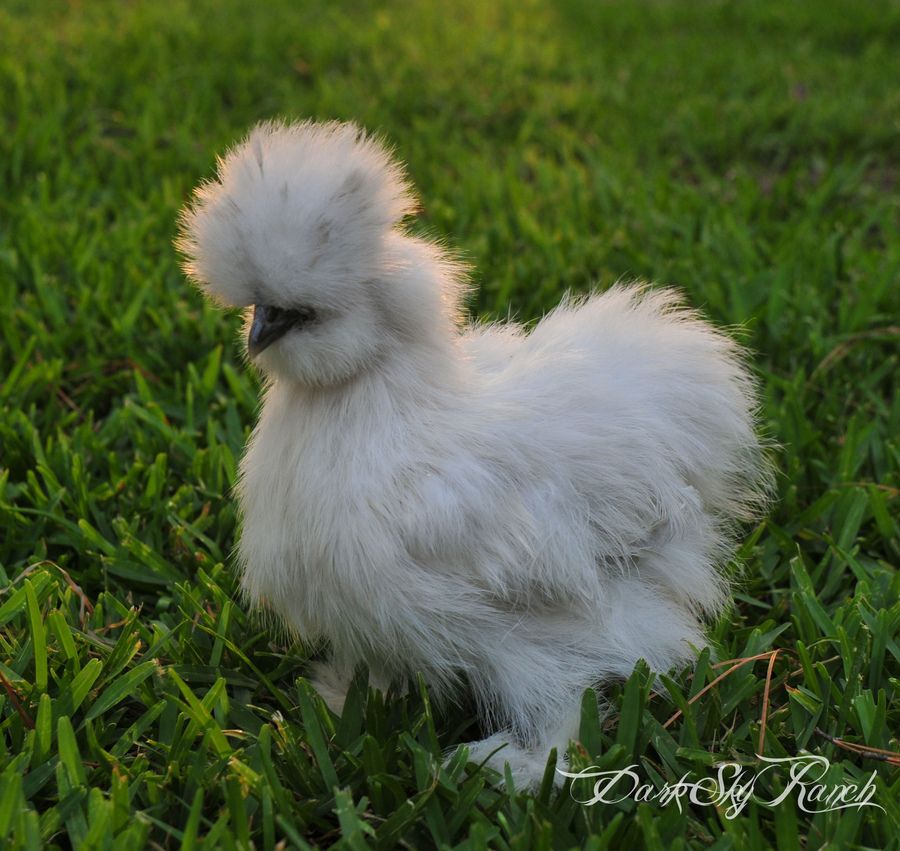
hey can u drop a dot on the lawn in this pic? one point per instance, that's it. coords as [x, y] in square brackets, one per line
[747, 152]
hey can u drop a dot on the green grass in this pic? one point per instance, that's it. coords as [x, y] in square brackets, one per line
[747, 152]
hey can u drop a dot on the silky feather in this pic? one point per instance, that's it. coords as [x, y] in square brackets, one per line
[523, 514]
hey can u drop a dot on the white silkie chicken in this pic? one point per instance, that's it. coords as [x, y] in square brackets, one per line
[527, 513]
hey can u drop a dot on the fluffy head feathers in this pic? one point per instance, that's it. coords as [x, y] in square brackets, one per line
[292, 205]
[304, 220]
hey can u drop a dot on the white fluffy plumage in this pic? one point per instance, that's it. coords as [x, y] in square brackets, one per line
[525, 513]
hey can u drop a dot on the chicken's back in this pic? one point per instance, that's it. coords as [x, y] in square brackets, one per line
[632, 368]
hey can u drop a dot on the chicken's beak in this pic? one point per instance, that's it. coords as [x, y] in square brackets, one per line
[269, 324]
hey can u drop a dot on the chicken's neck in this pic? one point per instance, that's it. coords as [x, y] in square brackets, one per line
[419, 380]
[412, 386]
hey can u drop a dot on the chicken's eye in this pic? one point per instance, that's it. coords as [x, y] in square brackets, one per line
[270, 323]
[305, 314]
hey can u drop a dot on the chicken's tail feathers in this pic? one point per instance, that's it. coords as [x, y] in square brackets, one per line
[725, 411]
